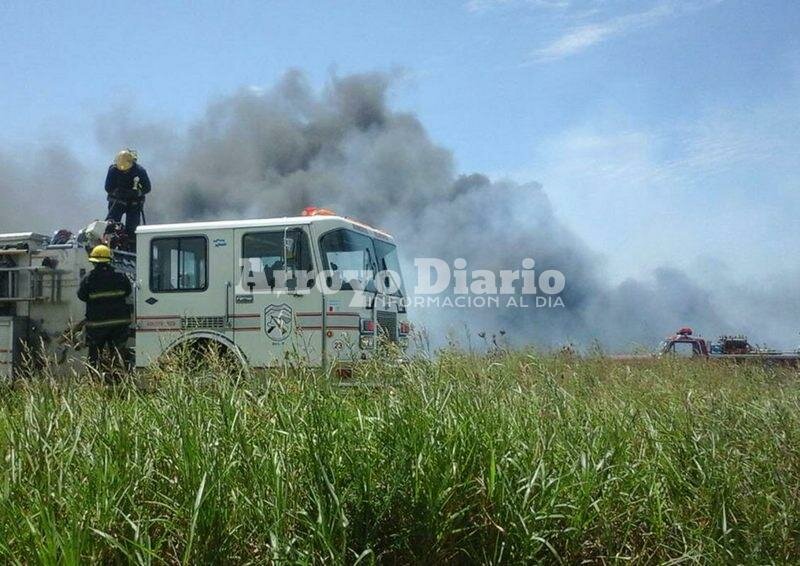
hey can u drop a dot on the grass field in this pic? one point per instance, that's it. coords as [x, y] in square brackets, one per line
[517, 458]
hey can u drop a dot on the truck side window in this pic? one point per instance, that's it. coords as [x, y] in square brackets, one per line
[264, 252]
[178, 264]
[351, 255]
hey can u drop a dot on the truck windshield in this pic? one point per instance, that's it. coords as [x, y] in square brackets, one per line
[684, 349]
[389, 263]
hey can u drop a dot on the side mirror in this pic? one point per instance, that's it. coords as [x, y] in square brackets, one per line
[289, 247]
[292, 247]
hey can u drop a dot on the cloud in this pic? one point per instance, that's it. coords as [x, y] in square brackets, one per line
[708, 196]
[583, 36]
[481, 6]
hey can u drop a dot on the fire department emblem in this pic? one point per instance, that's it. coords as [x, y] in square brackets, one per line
[278, 321]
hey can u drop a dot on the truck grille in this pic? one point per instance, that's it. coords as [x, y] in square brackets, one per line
[195, 322]
[387, 325]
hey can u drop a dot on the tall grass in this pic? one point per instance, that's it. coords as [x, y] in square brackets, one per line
[520, 458]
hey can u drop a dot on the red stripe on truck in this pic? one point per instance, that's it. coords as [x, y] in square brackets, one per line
[329, 328]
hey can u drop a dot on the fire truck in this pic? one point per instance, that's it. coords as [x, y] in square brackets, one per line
[319, 287]
[734, 348]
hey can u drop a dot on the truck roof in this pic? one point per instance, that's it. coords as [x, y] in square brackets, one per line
[255, 223]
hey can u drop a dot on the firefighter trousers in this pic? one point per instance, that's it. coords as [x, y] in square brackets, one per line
[113, 338]
[132, 211]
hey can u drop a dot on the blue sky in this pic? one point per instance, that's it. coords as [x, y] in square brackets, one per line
[662, 130]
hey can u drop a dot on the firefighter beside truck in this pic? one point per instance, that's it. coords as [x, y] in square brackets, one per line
[105, 292]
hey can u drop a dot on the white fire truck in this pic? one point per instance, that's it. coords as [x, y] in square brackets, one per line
[318, 287]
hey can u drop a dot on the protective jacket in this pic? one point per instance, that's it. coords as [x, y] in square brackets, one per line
[104, 291]
[122, 185]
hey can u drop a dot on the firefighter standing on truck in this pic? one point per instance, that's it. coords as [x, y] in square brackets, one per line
[108, 316]
[127, 184]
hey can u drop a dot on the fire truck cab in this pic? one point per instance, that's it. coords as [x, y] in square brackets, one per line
[684, 343]
[320, 288]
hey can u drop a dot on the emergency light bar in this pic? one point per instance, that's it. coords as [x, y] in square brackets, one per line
[317, 211]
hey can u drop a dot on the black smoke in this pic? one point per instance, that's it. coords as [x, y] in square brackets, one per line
[40, 189]
[268, 153]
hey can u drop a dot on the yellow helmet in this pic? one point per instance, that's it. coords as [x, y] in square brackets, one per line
[125, 159]
[100, 254]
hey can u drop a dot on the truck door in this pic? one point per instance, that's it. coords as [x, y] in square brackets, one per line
[277, 308]
[185, 291]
